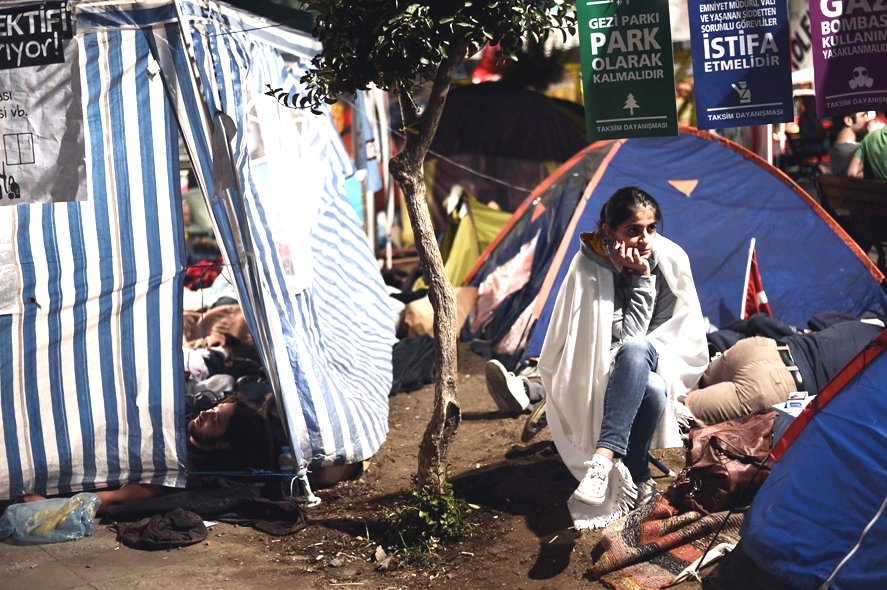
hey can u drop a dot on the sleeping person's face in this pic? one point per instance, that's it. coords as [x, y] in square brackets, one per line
[209, 427]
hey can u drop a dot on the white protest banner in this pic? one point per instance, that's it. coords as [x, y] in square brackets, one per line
[41, 120]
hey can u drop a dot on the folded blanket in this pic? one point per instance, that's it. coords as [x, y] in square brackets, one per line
[647, 548]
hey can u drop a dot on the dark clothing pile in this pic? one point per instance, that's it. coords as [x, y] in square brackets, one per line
[413, 363]
[821, 355]
[176, 519]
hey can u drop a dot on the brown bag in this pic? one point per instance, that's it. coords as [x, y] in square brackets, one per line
[726, 464]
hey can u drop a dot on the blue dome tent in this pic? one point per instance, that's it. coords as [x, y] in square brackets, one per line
[819, 519]
[715, 197]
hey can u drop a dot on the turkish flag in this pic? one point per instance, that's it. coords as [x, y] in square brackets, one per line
[755, 300]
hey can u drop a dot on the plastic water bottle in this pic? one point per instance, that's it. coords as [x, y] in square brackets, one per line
[287, 466]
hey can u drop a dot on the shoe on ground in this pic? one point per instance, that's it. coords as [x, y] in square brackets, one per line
[506, 388]
[647, 491]
[536, 421]
[592, 489]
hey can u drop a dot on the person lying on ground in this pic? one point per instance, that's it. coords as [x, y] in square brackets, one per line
[233, 436]
[758, 371]
[626, 336]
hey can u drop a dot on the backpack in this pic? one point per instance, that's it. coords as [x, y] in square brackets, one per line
[725, 466]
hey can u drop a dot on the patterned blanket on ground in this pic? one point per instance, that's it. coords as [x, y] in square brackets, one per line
[647, 548]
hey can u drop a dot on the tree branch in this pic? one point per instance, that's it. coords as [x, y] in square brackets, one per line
[408, 110]
[438, 96]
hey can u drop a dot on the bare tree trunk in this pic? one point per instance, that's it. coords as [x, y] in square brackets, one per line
[407, 170]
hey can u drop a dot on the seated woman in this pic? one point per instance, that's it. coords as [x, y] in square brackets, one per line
[626, 336]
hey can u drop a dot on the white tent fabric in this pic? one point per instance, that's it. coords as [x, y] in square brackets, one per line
[91, 393]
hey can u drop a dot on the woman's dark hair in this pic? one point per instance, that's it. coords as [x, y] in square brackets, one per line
[624, 203]
[249, 442]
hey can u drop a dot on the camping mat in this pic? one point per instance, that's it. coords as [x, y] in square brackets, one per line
[648, 547]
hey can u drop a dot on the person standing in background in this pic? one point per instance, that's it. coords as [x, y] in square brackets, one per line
[870, 159]
[851, 129]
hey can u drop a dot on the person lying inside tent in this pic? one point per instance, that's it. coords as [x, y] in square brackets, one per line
[218, 365]
[770, 359]
[222, 315]
[220, 353]
[232, 436]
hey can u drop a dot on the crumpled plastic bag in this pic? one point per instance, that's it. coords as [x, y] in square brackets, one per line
[50, 521]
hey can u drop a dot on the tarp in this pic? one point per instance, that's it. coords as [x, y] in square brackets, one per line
[336, 375]
[498, 142]
[91, 372]
[715, 196]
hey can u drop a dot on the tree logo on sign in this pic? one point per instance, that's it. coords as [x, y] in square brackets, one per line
[631, 104]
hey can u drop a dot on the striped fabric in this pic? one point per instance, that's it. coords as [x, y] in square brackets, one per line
[332, 318]
[91, 391]
[91, 363]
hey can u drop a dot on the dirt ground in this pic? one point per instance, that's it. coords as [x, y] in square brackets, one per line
[523, 538]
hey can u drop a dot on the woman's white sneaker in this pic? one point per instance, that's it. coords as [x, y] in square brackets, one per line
[592, 489]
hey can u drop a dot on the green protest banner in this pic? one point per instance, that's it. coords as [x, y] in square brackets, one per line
[627, 68]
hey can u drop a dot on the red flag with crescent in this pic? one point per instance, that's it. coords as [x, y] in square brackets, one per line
[755, 300]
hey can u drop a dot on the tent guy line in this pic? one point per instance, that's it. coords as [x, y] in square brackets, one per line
[431, 152]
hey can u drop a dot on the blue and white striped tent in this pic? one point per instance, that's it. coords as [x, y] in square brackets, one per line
[91, 387]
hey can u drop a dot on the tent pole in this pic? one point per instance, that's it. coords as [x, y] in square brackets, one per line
[380, 102]
[751, 251]
[247, 261]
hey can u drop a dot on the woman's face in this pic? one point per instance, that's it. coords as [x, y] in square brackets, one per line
[210, 426]
[638, 231]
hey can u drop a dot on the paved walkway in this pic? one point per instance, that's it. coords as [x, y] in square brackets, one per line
[230, 557]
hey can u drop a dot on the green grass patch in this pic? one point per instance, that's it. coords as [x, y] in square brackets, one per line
[426, 518]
